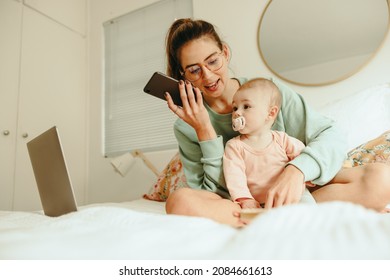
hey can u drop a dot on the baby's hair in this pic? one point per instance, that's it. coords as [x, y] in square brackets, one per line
[265, 86]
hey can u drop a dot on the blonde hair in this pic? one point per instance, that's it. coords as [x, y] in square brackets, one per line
[265, 86]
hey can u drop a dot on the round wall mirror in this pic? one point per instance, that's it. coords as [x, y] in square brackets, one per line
[318, 42]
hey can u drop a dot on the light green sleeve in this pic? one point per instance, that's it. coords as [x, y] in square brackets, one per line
[202, 161]
[326, 145]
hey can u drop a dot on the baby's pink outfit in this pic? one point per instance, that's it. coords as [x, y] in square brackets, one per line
[249, 173]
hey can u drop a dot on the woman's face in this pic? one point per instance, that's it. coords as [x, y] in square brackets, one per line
[201, 53]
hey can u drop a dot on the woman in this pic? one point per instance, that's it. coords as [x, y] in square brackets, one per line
[197, 56]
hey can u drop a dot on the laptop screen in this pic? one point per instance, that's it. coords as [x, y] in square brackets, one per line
[51, 174]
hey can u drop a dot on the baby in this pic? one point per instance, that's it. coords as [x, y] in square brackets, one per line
[254, 159]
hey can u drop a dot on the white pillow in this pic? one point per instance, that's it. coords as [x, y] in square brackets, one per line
[363, 116]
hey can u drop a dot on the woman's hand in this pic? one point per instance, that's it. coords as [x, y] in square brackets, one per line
[193, 111]
[287, 189]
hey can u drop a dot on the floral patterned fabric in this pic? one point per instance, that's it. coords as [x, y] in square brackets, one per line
[376, 150]
[171, 178]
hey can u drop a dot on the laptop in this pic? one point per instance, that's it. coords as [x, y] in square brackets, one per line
[51, 174]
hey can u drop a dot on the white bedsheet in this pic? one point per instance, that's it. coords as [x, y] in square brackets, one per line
[117, 231]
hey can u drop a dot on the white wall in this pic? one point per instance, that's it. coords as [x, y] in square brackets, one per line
[43, 66]
[237, 22]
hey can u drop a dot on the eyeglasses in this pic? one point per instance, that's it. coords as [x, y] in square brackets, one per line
[195, 72]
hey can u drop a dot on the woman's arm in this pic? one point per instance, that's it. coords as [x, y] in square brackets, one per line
[202, 161]
[318, 162]
[200, 148]
[325, 143]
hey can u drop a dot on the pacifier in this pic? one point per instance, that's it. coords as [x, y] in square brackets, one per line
[238, 123]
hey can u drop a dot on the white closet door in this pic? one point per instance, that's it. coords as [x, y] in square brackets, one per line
[10, 32]
[52, 92]
[70, 13]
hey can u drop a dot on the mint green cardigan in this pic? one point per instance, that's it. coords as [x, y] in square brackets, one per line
[321, 159]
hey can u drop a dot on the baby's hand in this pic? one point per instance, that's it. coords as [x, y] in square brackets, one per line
[249, 203]
[250, 209]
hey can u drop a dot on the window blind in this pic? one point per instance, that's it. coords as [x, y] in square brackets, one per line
[134, 50]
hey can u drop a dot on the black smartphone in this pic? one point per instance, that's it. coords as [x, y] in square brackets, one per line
[160, 83]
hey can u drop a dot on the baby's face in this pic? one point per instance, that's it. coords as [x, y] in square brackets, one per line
[250, 105]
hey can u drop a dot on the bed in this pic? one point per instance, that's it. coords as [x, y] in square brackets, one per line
[140, 229]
